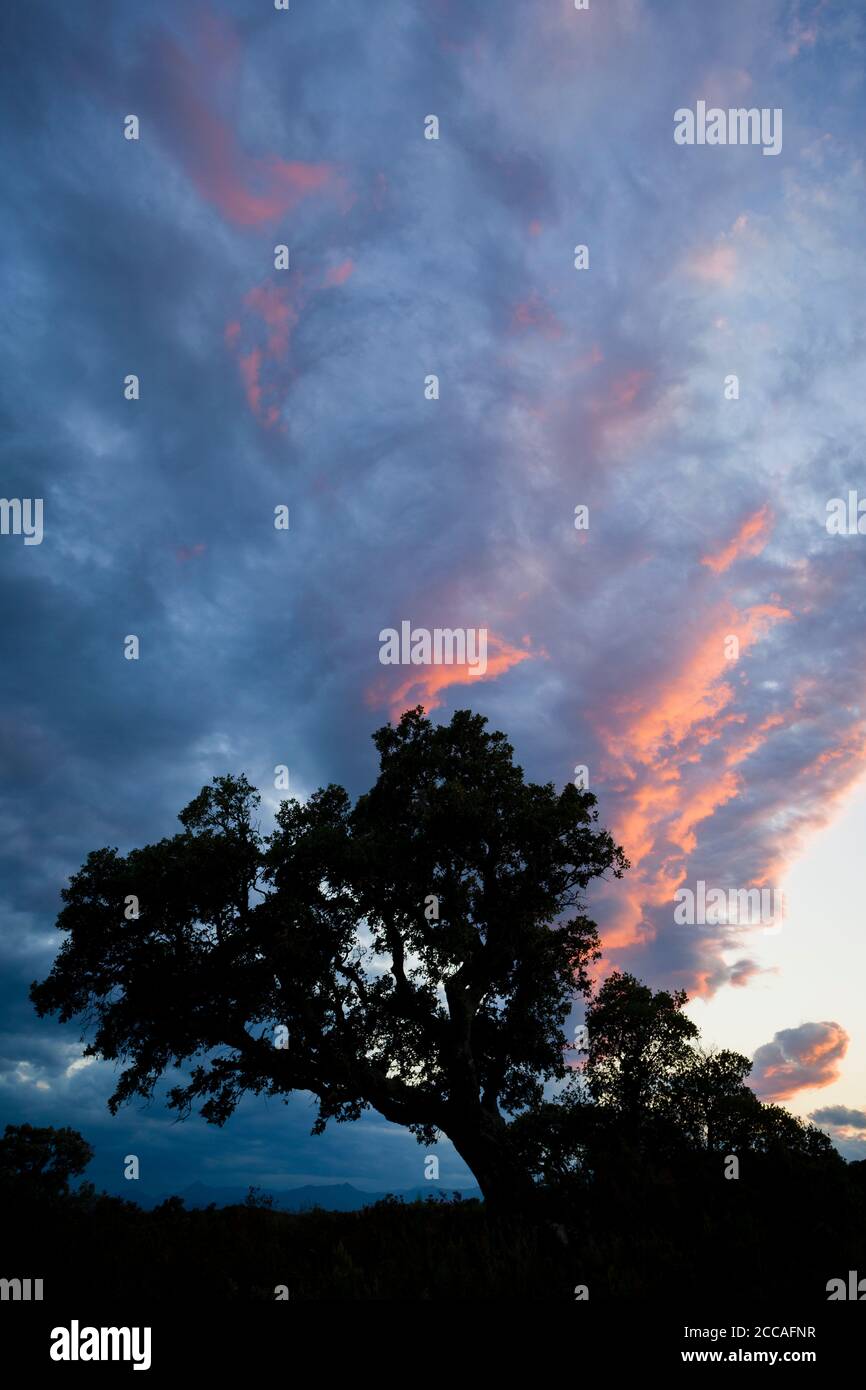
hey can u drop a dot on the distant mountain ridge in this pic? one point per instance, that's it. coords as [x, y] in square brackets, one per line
[329, 1196]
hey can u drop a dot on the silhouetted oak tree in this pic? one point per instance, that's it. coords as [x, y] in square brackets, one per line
[640, 1043]
[418, 951]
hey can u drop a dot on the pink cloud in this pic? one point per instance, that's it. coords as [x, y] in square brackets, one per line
[799, 1059]
[274, 307]
[189, 552]
[263, 358]
[339, 274]
[424, 684]
[587, 359]
[248, 191]
[250, 364]
[804, 33]
[715, 265]
[261, 340]
[534, 313]
[623, 409]
[653, 738]
[624, 390]
[749, 539]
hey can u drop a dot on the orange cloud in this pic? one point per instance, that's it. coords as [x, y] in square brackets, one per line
[425, 684]
[738, 752]
[653, 740]
[805, 1058]
[749, 539]
[696, 692]
[820, 788]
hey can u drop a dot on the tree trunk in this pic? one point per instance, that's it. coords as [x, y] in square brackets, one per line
[484, 1144]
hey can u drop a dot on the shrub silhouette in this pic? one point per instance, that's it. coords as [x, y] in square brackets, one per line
[630, 1230]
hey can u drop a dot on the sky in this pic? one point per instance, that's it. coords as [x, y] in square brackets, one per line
[698, 387]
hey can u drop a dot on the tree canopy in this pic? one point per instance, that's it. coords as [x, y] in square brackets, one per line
[44, 1159]
[417, 952]
[646, 1091]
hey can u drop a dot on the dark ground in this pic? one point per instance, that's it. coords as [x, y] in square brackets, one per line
[779, 1232]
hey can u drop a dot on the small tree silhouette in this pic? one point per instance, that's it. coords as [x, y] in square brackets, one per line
[645, 1067]
[44, 1159]
[639, 1045]
[421, 949]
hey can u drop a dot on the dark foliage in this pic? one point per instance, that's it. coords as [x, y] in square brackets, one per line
[421, 950]
[672, 1233]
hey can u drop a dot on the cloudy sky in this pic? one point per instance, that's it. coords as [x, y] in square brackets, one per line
[608, 387]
